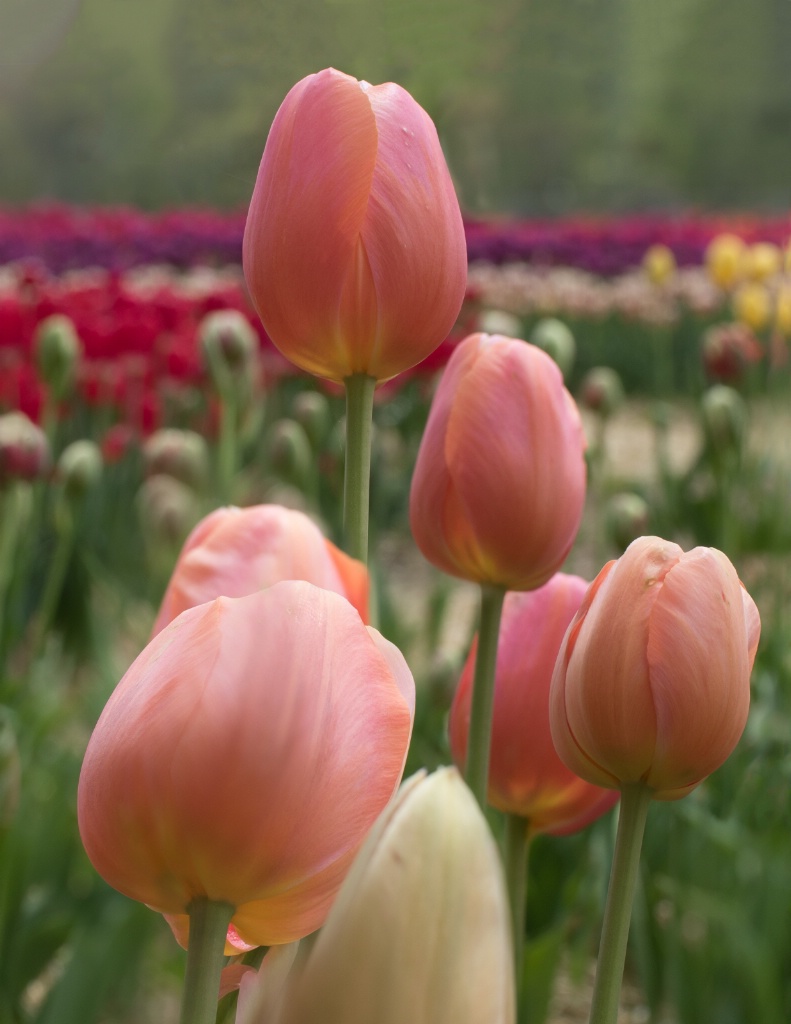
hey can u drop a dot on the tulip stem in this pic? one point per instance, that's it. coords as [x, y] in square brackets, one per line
[357, 473]
[635, 799]
[482, 705]
[515, 856]
[209, 920]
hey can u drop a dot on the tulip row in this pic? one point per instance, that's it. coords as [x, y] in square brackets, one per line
[63, 238]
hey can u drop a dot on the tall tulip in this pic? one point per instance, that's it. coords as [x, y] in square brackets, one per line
[237, 551]
[419, 931]
[499, 485]
[243, 758]
[498, 490]
[652, 683]
[526, 776]
[354, 248]
[650, 694]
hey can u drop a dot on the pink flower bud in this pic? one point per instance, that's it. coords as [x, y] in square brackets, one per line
[243, 758]
[354, 248]
[234, 552]
[499, 485]
[526, 776]
[652, 683]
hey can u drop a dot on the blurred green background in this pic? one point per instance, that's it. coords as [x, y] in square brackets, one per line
[543, 107]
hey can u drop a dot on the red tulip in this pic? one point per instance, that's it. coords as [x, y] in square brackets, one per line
[499, 485]
[652, 683]
[237, 551]
[526, 776]
[354, 248]
[243, 758]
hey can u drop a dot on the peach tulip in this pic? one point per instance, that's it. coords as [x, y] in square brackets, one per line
[354, 248]
[652, 683]
[243, 758]
[526, 776]
[499, 485]
[236, 551]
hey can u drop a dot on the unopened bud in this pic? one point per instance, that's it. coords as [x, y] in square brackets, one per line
[724, 418]
[79, 468]
[498, 321]
[228, 340]
[181, 454]
[602, 391]
[761, 261]
[58, 349]
[556, 339]
[290, 455]
[626, 518]
[24, 449]
[723, 258]
[752, 305]
[168, 509]
[311, 410]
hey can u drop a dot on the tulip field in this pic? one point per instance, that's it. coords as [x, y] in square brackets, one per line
[310, 707]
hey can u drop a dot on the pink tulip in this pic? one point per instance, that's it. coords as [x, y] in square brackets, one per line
[526, 776]
[499, 485]
[652, 683]
[354, 248]
[237, 551]
[243, 758]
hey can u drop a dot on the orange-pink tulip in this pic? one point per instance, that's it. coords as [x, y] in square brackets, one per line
[499, 485]
[652, 683]
[243, 758]
[237, 551]
[526, 776]
[354, 248]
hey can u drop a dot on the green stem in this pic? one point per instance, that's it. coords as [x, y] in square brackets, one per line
[209, 922]
[515, 856]
[227, 445]
[482, 708]
[59, 563]
[635, 799]
[357, 474]
[10, 523]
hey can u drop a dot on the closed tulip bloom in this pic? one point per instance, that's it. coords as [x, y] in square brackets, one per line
[652, 683]
[526, 776]
[243, 758]
[234, 552]
[420, 931]
[354, 248]
[499, 485]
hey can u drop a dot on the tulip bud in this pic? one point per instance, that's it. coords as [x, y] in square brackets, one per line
[499, 485]
[234, 552]
[728, 349]
[420, 931]
[659, 264]
[289, 452]
[228, 342]
[24, 449]
[526, 776]
[626, 518]
[244, 757]
[723, 258]
[58, 350]
[312, 411]
[602, 391]
[724, 418]
[652, 682]
[752, 305]
[79, 468]
[167, 508]
[354, 247]
[181, 454]
[497, 321]
[555, 338]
